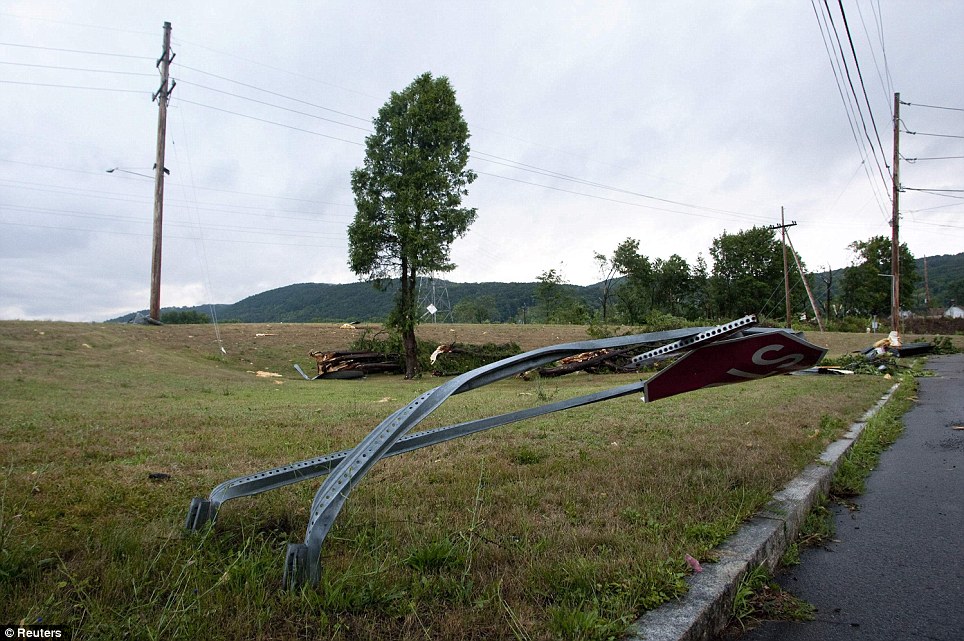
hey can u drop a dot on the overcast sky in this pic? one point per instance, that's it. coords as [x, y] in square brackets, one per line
[668, 122]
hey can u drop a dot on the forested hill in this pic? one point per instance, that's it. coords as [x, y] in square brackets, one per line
[495, 302]
[945, 280]
[318, 302]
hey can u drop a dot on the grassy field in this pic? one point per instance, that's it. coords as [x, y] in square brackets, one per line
[567, 526]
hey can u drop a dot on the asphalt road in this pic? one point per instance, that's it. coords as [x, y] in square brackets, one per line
[896, 568]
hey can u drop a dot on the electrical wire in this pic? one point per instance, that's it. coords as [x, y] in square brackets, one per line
[860, 77]
[200, 187]
[924, 133]
[913, 160]
[84, 69]
[915, 104]
[269, 122]
[879, 22]
[476, 154]
[141, 220]
[169, 237]
[269, 104]
[853, 91]
[848, 109]
[873, 55]
[596, 197]
[76, 24]
[87, 52]
[205, 266]
[87, 87]
[273, 93]
[553, 174]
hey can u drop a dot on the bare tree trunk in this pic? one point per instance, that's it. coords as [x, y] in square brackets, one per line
[408, 320]
[411, 353]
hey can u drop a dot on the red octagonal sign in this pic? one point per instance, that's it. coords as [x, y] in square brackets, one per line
[734, 361]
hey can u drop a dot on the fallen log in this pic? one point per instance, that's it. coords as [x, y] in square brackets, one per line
[365, 362]
[593, 362]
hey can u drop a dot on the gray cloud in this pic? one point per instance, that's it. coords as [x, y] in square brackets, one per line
[731, 106]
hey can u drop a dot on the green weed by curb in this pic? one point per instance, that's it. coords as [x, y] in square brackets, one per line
[879, 434]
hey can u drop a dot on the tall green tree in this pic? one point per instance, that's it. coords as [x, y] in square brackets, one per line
[863, 290]
[557, 302]
[475, 310]
[609, 273]
[698, 299]
[672, 284]
[408, 197]
[747, 270]
[634, 296]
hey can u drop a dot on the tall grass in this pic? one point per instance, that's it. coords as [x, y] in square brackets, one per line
[567, 526]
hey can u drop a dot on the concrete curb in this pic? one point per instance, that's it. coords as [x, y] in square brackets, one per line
[704, 611]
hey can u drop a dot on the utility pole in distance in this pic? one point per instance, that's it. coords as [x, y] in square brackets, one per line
[162, 96]
[786, 272]
[894, 222]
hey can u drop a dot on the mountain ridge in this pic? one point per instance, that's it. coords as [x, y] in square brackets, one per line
[509, 302]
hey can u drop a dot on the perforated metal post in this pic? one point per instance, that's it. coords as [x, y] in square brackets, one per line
[203, 510]
[345, 469]
[302, 565]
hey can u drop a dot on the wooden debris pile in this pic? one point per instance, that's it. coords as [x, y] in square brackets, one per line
[600, 361]
[454, 358]
[354, 364]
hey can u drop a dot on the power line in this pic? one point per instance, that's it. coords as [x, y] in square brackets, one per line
[87, 52]
[553, 174]
[269, 104]
[87, 87]
[883, 84]
[228, 209]
[84, 69]
[612, 200]
[879, 22]
[912, 160]
[934, 193]
[912, 104]
[848, 108]
[269, 122]
[860, 76]
[914, 211]
[69, 213]
[853, 91]
[476, 154]
[273, 93]
[76, 24]
[124, 233]
[215, 189]
[922, 133]
[235, 56]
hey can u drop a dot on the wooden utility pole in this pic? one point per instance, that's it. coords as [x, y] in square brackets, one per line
[786, 272]
[927, 288]
[162, 96]
[828, 281]
[894, 224]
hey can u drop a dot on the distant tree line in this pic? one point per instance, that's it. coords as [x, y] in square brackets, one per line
[746, 278]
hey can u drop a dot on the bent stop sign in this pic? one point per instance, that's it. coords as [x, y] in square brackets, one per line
[734, 361]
